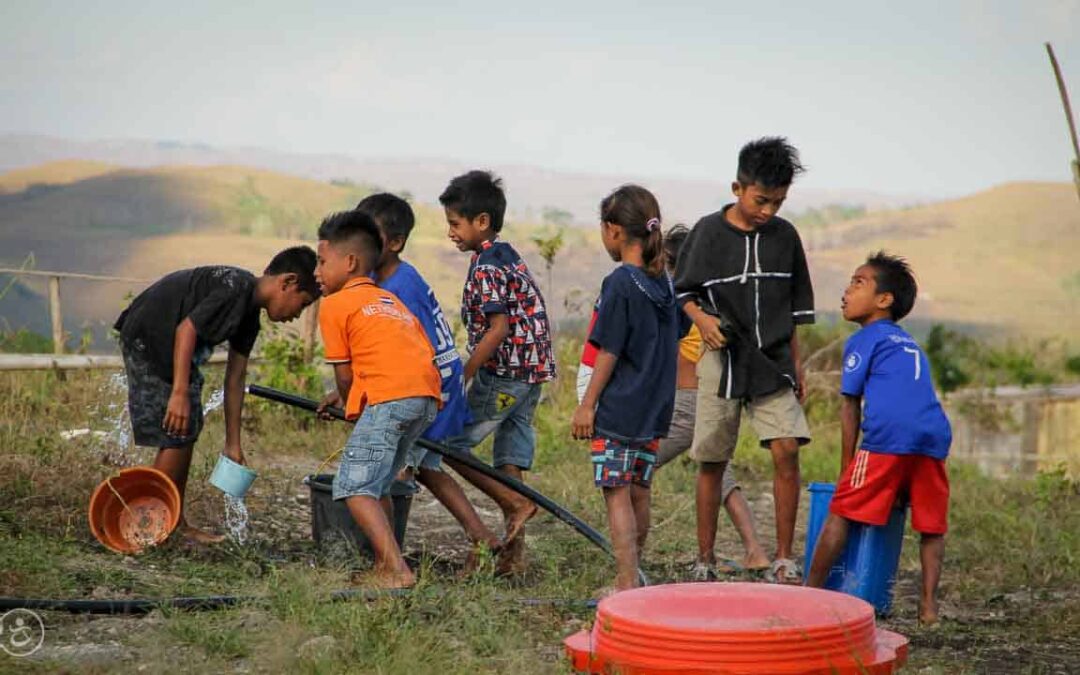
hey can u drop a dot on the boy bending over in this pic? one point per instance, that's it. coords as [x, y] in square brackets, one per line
[171, 328]
[886, 385]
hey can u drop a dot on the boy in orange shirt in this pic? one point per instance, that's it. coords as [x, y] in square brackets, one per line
[384, 369]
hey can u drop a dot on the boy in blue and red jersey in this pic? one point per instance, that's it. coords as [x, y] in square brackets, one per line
[886, 385]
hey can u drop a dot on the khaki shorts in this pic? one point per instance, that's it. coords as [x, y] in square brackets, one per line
[681, 436]
[716, 430]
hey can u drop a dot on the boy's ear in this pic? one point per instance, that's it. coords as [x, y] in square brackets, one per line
[288, 279]
[884, 300]
[736, 188]
[482, 221]
[396, 244]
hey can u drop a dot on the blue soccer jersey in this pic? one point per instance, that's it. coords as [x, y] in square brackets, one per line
[407, 284]
[901, 414]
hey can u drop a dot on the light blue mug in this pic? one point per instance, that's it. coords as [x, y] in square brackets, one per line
[232, 478]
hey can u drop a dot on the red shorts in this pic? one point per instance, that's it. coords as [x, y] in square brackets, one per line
[873, 481]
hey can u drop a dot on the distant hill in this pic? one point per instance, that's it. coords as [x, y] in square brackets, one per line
[1004, 257]
[1003, 260]
[530, 189]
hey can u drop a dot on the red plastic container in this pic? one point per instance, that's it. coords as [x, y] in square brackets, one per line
[736, 628]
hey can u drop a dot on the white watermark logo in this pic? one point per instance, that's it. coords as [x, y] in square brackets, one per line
[21, 632]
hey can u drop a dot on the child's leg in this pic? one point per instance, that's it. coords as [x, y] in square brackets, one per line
[742, 518]
[176, 464]
[830, 545]
[641, 496]
[709, 491]
[623, 527]
[786, 485]
[931, 555]
[391, 571]
[450, 495]
[512, 452]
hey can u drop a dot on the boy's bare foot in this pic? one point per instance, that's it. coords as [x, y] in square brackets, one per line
[928, 613]
[756, 562]
[383, 580]
[516, 519]
[194, 535]
[511, 559]
[476, 557]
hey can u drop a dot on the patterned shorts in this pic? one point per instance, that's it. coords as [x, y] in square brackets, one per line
[148, 399]
[620, 463]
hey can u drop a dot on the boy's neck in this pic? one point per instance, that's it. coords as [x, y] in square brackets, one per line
[874, 318]
[260, 295]
[732, 215]
[483, 242]
[387, 269]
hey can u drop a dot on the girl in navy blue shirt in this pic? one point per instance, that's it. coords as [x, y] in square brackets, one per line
[629, 400]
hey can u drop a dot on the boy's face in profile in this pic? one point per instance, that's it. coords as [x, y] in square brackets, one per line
[286, 300]
[861, 301]
[335, 267]
[756, 203]
[467, 234]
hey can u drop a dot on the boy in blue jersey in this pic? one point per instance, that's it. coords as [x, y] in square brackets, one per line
[886, 386]
[395, 219]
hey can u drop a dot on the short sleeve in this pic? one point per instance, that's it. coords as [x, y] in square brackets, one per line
[332, 325]
[220, 314]
[492, 283]
[243, 340]
[611, 332]
[858, 353]
[802, 288]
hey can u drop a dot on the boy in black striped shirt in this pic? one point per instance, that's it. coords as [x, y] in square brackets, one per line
[742, 278]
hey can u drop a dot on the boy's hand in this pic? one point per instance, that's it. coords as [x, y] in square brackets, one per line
[709, 327]
[581, 425]
[331, 400]
[236, 455]
[177, 414]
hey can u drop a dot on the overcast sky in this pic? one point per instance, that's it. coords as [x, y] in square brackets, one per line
[913, 97]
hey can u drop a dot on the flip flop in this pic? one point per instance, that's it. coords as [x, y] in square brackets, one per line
[784, 571]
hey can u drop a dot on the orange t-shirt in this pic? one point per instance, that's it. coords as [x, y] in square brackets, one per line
[370, 329]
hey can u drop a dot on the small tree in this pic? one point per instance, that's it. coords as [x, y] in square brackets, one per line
[549, 248]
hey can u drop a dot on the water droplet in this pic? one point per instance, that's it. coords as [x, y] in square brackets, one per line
[217, 398]
[236, 519]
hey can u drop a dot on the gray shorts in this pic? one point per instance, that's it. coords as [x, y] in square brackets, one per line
[148, 400]
[504, 407]
[681, 436]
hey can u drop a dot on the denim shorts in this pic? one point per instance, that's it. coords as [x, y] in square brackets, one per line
[505, 407]
[379, 444]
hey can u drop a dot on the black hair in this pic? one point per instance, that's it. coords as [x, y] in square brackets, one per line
[771, 162]
[673, 241]
[298, 260]
[892, 274]
[391, 213]
[354, 228]
[476, 192]
[636, 210]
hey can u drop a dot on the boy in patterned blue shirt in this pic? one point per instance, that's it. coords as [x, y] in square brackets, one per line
[395, 219]
[888, 393]
[509, 344]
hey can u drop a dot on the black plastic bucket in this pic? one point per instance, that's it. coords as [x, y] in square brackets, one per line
[331, 520]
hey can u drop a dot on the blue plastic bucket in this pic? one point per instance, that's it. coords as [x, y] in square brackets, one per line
[231, 478]
[867, 567]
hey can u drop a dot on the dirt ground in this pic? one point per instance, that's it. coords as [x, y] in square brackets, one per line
[990, 636]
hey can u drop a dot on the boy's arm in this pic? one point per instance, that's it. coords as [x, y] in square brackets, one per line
[581, 425]
[498, 330]
[235, 375]
[707, 324]
[178, 412]
[850, 418]
[343, 377]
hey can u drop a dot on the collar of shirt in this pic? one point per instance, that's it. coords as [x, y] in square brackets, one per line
[358, 281]
[484, 246]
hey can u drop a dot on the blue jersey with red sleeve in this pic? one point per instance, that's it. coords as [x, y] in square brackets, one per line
[901, 413]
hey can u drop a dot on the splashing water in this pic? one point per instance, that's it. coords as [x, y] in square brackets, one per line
[112, 411]
[236, 519]
[217, 397]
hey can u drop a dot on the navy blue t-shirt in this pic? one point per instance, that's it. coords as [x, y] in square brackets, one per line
[901, 413]
[637, 321]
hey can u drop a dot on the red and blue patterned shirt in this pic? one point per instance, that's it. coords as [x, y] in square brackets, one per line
[499, 282]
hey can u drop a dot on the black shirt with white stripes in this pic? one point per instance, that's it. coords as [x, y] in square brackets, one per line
[757, 282]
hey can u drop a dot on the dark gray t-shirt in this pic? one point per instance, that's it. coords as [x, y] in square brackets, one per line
[219, 300]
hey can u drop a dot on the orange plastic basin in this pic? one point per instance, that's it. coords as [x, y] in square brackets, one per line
[134, 509]
[737, 628]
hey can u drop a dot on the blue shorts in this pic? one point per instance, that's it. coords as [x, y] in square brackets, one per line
[620, 463]
[379, 444]
[505, 407]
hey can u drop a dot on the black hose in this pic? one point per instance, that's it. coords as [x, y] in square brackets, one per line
[468, 460]
[145, 606]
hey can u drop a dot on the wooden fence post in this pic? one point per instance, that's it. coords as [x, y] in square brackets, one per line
[56, 315]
